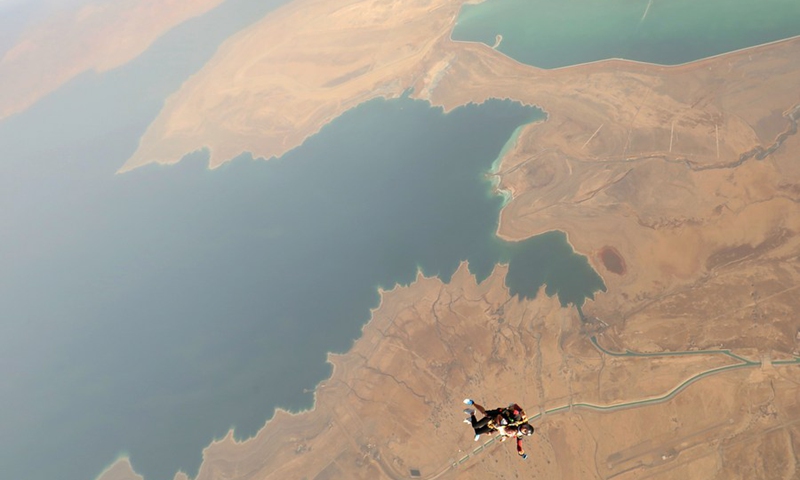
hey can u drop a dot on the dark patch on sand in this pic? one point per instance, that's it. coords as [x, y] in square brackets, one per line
[727, 255]
[612, 260]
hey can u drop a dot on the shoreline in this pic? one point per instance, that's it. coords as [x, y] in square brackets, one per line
[230, 436]
[589, 255]
[610, 59]
[168, 138]
[389, 91]
[211, 165]
[594, 64]
[121, 462]
[494, 169]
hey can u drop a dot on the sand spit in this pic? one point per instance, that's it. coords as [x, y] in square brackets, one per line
[279, 81]
[120, 470]
[95, 36]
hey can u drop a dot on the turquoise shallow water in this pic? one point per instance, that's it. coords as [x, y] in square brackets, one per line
[552, 34]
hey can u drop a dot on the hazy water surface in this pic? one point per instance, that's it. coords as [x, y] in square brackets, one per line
[165, 305]
[147, 313]
[551, 34]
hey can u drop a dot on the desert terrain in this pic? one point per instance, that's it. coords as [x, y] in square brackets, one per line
[681, 184]
[392, 408]
[95, 35]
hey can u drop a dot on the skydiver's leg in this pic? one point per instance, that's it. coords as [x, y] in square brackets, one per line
[481, 426]
[493, 414]
[479, 408]
[479, 423]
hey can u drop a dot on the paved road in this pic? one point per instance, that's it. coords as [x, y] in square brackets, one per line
[743, 363]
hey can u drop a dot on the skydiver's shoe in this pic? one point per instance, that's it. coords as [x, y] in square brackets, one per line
[468, 401]
[468, 421]
[477, 437]
[469, 411]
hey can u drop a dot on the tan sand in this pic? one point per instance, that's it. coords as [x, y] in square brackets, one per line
[97, 36]
[279, 81]
[120, 470]
[393, 403]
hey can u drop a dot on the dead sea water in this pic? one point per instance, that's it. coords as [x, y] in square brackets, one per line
[147, 313]
[169, 303]
[552, 34]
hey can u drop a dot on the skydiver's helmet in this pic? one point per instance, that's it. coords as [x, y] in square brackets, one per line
[526, 429]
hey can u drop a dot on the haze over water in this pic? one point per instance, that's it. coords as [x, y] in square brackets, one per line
[552, 34]
[147, 313]
[166, 304]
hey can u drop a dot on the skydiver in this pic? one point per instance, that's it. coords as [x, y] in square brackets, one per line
[517, 432]
[509, 422]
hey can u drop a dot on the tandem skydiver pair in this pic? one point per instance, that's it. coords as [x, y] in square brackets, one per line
[509, 422]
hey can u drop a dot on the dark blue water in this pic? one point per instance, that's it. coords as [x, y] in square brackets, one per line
[147, 313]
[156, 309]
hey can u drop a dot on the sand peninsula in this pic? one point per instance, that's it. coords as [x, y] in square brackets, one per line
[683, 180]
[95, 35]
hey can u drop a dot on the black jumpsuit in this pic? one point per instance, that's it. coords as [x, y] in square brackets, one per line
[482, 426]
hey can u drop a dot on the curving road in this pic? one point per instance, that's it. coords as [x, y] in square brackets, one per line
[743, 363]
